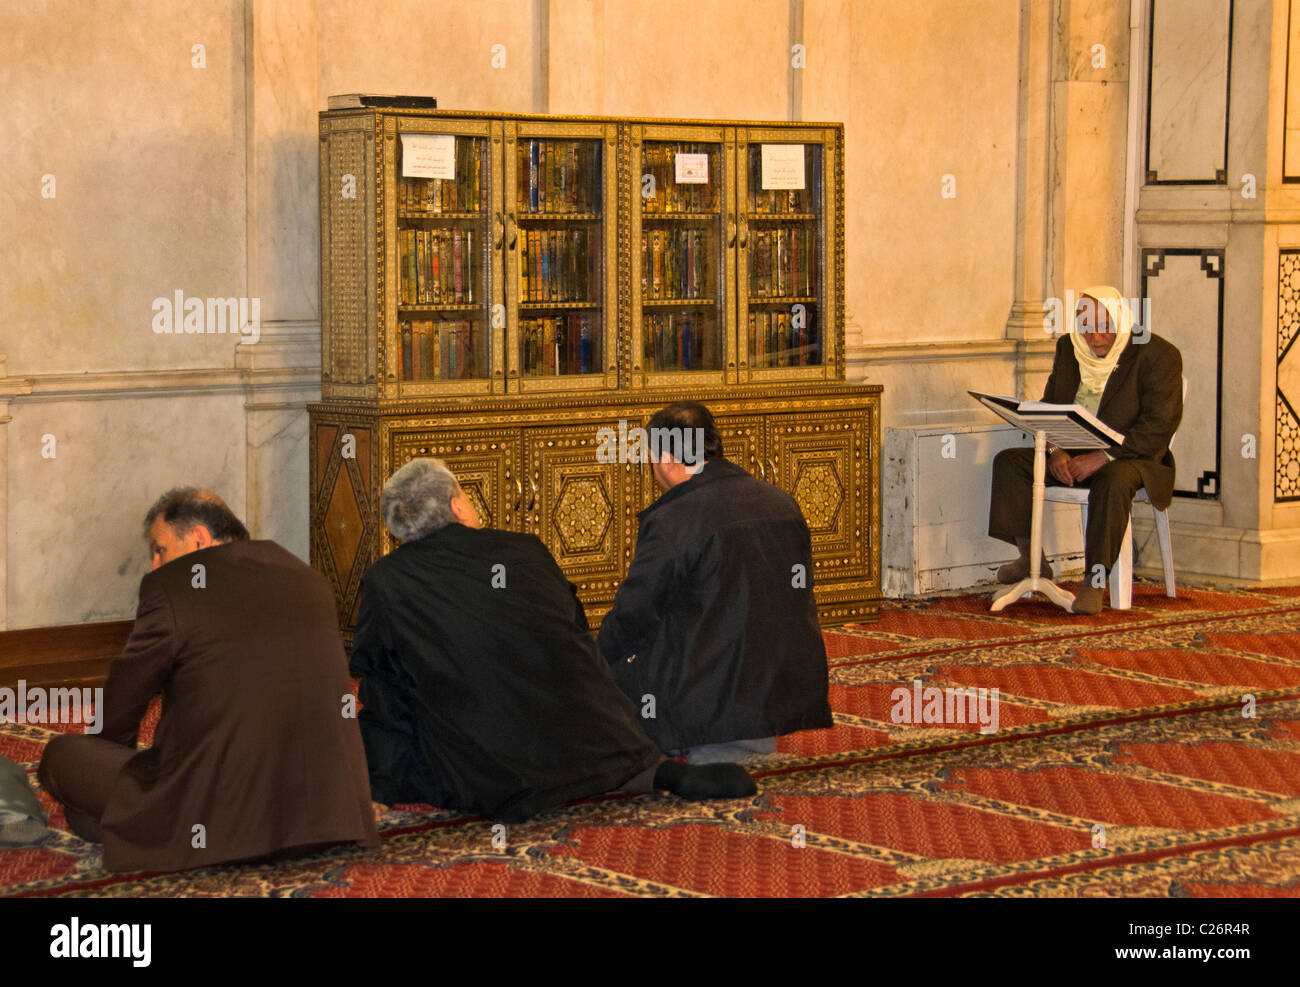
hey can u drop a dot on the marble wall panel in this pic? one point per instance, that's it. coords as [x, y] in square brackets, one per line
[441, 48]
[1186, 137]
[142, 136]
[1291, 152]
[76, 546]
[1185, 291]
[929, 85]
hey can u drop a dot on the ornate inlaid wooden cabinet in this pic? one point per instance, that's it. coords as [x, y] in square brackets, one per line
[506, 293]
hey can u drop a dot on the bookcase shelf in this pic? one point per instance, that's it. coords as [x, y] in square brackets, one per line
[611, 266]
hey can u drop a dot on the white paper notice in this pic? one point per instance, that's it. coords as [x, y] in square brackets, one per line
[692, 169]
[429, 156]
[783, 166]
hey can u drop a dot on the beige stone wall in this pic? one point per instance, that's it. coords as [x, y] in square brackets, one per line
[173, 177]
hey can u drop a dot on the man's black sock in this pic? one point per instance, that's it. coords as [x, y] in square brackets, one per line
[705, 781]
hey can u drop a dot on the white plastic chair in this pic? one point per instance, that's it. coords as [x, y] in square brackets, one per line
[1121, 573]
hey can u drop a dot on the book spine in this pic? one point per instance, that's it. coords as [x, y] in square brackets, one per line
[544, 283]
[420, 284]
[548, 347]
[534, 159]
[480, 196]
[657, 268]
[435, 266]
[469, 267]
[534, 248]
[524, 251]
[406, 350]
[691, 283]
[458, 263]
[421, 349]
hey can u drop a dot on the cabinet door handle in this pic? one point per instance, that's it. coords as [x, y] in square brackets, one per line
[533, 502]
[772, 466]
[514, 229]
[731, 233]
[501, 232]
[744, 231]
[762, 470]
[519, 493]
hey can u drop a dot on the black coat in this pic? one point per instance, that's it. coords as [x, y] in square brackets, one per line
[483, 699]
[714, 620]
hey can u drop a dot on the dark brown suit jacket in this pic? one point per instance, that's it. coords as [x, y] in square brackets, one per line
[252, 745]
[1143, 399]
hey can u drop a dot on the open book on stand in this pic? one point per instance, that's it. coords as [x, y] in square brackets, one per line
[1068, 426]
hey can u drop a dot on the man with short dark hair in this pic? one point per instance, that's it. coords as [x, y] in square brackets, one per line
[716, 620]
[481, 686]
[257, 753]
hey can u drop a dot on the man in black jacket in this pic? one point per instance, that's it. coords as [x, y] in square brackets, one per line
[716, 623]
[481, 686]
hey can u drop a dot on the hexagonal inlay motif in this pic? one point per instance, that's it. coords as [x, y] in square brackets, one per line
[582, 514]
[819, 492]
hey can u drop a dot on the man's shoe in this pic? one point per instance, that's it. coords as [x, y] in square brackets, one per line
[1015, 571]
[1088, 600]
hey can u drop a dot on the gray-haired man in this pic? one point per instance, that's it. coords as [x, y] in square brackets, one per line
[481, 687]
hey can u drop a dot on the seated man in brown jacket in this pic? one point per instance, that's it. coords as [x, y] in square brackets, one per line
[257, 753]
[1134, 385]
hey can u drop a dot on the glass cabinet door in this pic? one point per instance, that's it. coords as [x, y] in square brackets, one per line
[681, 261]
[561, 260]
[785, 224]
[441, 276]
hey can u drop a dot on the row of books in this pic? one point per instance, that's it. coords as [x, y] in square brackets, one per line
[437, 350]
[659, 162]
[568, 344]
[555, 176]
[680, 340]
[436, 267]
[559, 265]
[804, 200]
[777, 339]
[783, 263]
[675, 263]
[466, 193]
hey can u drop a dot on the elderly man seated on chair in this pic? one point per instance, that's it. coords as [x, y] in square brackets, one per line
[1134, 385]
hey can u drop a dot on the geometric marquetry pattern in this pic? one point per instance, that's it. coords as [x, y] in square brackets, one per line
[1286, 458]
[344, 523]
[819, 491]
[346, 262]
[582, 514]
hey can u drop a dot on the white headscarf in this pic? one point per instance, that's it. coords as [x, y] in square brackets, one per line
[1095, 370]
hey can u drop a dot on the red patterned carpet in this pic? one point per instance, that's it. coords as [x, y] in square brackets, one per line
[1147, 753]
